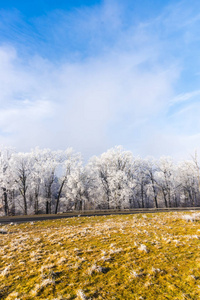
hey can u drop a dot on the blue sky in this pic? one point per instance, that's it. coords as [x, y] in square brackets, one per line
[95, 74]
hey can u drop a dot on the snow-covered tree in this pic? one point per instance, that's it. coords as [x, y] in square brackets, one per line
[111, 173]
[49, 181]
[164, 179]
[6, 180]
[69, 181]
[150, 170]
[21, 168]
[141, 181]
[48, 164]
[187, 176]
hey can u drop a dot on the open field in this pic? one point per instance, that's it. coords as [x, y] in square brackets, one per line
[143, 256]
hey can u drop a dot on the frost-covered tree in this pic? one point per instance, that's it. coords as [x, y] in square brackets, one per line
[150, 169]
[48, 163]
[196, 163]
[50, 181]
[6, 180]
[21, 168]
[187, 176]
[111, 174]
[142, 181]
[164, 179]
[41, 175]
[70, 165]
[76, 189]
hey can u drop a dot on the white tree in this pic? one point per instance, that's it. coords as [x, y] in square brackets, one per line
[187, 176]
[70, 169]
[165, 178]
[47, 165]
[6, 183]
[45, 180]
[141, 182]
[111, 172]
[150, 170]
[21, 168]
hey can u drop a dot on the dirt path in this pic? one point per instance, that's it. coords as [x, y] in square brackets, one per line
[33, 218]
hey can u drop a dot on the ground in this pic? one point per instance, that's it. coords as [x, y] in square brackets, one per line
[144, 256]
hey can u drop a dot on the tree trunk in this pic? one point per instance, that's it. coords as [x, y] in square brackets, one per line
[36, 205]
[59, 195]
[165, 198]
[47, 207]
[5, 200]
[25, 204]
[154, 191]
[142, 195]
[169, 198]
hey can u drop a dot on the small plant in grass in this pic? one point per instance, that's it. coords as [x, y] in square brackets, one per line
[143, 248]
[81, 295]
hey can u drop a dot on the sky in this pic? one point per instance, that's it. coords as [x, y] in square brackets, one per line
[94, 74]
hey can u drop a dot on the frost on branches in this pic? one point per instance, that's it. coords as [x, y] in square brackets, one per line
[46, 181]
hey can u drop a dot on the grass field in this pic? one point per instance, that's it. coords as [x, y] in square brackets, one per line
[144, 256]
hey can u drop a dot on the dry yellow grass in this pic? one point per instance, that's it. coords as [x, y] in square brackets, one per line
[146, 256]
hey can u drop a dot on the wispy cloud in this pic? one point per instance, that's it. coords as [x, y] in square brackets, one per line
[184, 97]
[91, 79]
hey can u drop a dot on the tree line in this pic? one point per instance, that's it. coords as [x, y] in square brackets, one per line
[46, 181]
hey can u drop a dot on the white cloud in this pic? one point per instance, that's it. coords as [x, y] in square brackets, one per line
[184, 97]
[75, 104]
[117, 95]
